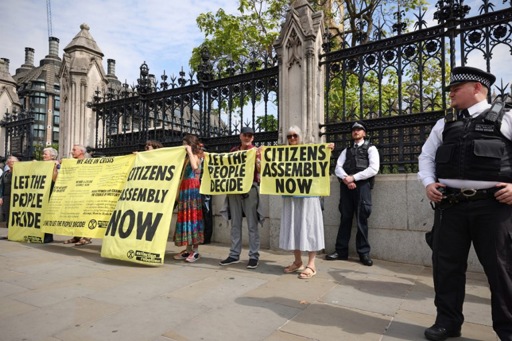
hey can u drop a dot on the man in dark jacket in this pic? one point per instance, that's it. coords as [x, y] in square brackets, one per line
[5, 189]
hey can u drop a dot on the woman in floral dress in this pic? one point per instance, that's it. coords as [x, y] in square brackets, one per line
[189, 226]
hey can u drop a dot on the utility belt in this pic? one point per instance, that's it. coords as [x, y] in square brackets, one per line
[454, 196]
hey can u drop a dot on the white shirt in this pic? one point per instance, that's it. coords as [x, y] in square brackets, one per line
[427, 163]
[372, 170]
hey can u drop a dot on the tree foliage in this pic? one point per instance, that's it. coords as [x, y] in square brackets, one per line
[247, 35]
[267, 123]
[250, 34]
[252, 31]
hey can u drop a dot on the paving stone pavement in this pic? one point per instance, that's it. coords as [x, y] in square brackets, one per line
[61, 292]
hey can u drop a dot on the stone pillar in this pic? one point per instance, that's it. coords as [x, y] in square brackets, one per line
[301, 78]
[80, 75]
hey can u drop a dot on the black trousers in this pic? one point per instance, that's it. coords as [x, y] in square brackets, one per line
[356, 202]
[488, 225]
[207, 218]
[6, 208]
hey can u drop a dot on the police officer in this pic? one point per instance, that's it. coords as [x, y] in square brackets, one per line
[466, 168]
[356, 167]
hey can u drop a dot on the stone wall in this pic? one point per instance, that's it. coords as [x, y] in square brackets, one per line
[401, 215]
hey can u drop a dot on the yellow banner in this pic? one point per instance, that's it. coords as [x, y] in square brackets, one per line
[228, 173]
[85, 194]
[31, 182]
[139, 227]
[301, 170]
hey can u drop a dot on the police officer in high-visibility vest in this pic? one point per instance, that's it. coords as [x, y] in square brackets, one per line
[356, 168]
[466, 168]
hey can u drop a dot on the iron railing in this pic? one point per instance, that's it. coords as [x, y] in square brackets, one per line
[18, 134]
[396, 83]
[212, 104]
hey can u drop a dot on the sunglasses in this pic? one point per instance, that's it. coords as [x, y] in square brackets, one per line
[247, 134]
[292, 136]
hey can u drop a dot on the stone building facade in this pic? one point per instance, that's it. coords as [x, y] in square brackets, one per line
[56, 94]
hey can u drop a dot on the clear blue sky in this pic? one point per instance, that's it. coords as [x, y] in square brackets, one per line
[160, 32]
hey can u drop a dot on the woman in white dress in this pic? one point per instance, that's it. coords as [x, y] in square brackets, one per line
[302, 224]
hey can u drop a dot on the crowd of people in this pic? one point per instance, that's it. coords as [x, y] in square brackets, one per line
[465, 166]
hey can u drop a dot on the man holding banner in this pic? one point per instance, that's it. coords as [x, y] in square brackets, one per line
[79, 152]
[245, 204]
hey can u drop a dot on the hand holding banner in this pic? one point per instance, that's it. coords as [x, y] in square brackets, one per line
[31, 183]
[139, 226]
[228, 173]
[300, 170]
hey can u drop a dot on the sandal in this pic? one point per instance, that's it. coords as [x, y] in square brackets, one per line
[307, 274]
[182, 255]
[293, 268]
[83, 241]
[72, 240]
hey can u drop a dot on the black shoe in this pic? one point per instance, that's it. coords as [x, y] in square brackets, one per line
[366, 260]
[229, 260]
[253, 263]
[437, 333]
[335, 256]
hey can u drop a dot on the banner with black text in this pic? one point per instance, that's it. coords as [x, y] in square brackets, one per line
[301, 170]
[85, 194]
[139, 227]
[30, 189]
[228, 173]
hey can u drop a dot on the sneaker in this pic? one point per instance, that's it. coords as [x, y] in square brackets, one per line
[253, 263]
[229, 260]
[192, 257]
[182, 255]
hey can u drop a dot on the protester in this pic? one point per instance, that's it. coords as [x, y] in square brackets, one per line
[51, 154]
[302, 223]
[189, 230]
[5, 188]
[207, 205]
[465, 166]
[79, 152]
[152, 144]
[356, 167]
[245, 204]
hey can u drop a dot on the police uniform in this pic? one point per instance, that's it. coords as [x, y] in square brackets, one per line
[470, 156]
[362, 161]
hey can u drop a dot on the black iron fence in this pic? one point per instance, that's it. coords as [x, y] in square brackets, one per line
[212, 104]
[18, 138]
[396, 83]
